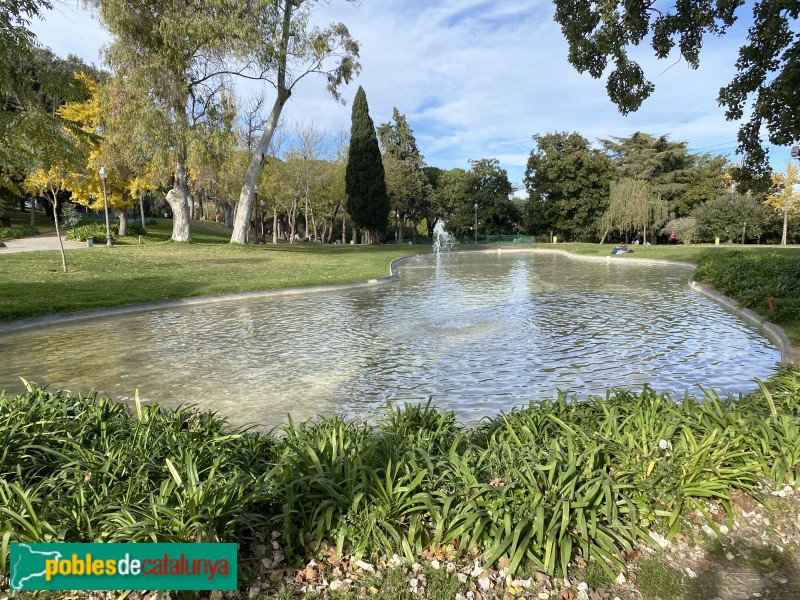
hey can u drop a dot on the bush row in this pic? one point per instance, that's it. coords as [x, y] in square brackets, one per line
[753, 277]
[539, 485]
[96, 230]
[17, 231]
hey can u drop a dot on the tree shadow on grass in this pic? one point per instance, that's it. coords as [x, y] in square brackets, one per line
[737, 570]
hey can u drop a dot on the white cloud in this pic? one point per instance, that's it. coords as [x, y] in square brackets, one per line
[478, 78]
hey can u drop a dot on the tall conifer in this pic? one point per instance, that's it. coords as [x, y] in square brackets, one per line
[365, 182]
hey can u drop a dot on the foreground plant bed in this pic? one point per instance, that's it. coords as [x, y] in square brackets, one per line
[558, 483]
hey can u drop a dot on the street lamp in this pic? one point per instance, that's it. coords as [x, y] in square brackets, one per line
[476, 222]
[103, 176]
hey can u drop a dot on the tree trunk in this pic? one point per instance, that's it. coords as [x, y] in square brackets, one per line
[785, 237]
[314, 227]
[305, 212]
[58, 233]
[178, 199]
[240, 225]
[33, 211]
[414, 231]
[605, 233]
[274, 225]
[123, 223]
[292, 221]
[141, 207]
[331, 223]
[344, 227]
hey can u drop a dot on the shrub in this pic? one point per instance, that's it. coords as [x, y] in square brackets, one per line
[70, 216]
[538, 485]
[95, 230]
[135, 229]
[17, 231]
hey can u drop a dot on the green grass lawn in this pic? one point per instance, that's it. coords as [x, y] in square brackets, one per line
[129, 273]
[34, 285]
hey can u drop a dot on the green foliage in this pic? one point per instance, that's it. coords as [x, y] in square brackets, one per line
[730, 216]
[406, 180]
[95, 471]
[365, 182]
[567, 182]
[16, 232]
[753, 278]
[70, 216]
[633, 206]
[538, 485]
[134, 229]
[685, 229]
[599, 33]
[95, 230]
[683, 180]
[490, 189]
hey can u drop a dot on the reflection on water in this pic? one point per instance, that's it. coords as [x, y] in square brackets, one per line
[477, 334]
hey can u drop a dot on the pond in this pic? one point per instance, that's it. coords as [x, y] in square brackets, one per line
[477, 333]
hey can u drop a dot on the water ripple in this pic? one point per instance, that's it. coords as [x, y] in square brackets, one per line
[475, 333]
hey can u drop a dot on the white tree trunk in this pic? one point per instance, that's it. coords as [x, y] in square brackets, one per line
[58, 233]
[785, 237]
[141, 207]
[178, 199]
[123, 223]
[241, 225]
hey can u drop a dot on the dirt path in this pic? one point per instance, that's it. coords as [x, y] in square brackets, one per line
[46, 241]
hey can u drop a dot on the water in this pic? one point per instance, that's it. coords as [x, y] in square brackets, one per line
[480, 334]
[442, 242]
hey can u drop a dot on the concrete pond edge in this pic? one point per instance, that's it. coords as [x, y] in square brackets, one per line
[789, 354]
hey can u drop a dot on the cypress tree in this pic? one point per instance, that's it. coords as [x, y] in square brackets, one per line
[365, 182]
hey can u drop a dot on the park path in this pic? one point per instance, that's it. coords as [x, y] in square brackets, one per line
[46, 241]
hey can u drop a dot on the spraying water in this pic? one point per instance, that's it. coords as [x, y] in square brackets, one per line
[442, 242]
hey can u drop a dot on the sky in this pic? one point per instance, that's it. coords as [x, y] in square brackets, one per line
[477, 79]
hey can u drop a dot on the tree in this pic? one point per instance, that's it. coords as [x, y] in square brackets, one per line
[365, 182]
[297, 52]
[306, 159]
[682, 179]
[452, 190]
[633, 205]
[39, 84]
[50, 184]
[83, 182]
[684, 228]
[567, 182]
[181, 53]
[784, 198]
[490, 190]
[729, 216]
[767, 67]
[406, 181]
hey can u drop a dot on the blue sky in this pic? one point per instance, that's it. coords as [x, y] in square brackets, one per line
[476, 79]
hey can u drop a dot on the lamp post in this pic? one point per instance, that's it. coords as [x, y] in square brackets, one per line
[476, 222]
[103, 176]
